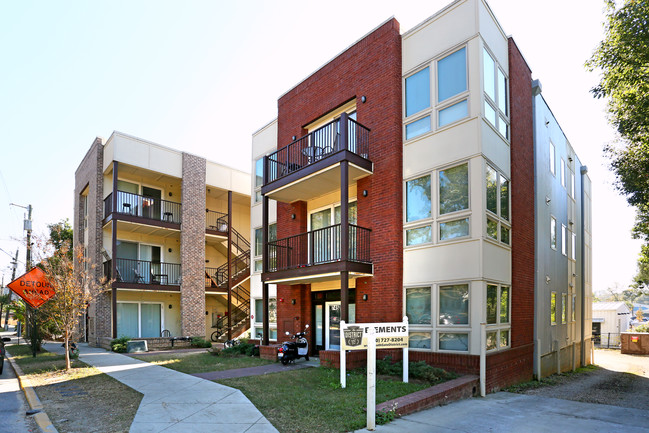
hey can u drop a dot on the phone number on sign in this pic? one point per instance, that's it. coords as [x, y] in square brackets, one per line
[383, 340]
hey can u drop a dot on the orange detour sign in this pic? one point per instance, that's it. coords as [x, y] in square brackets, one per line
[33, 287]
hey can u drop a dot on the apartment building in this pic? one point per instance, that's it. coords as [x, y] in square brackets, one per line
[405, 177]
[160, 224]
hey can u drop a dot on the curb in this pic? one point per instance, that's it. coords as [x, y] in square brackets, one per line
[42, 420]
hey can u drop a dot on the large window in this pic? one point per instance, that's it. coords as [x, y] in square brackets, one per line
[259, 245]
[497, 312]
[497, 199]
[418, 305]
[259, 319]
[451, 84]
[454, 305]
[496, 95]
[259, 178]
[454, 189]
[418, 200]
[139, 319]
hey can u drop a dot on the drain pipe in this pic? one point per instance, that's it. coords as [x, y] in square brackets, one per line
[583, 171]
[483, 359]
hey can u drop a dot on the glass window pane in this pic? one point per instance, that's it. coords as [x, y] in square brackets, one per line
[552, 158]
[451, 75]
[553, 233]
[502, 92]
[504, 198]
[419, 340]
[127, 320]
[351, 211]
[259, 172]
[452, 341]
[454, 189]
[492, 340]
[151, 320]
[573, 247]
[489, 113]
[454, 229]
[418, 199]
[503, 128]
[259, 310]
[258, 241]
[492, 229]
[272, 232]
[492, 190]
[504, 338]
[504, 235]
[420, 235]
[564, 315]
[454, 112]
[418, 92]
[574, 307]
[492, 303]
[418, 305]
[454, 305]
[321, 219]
[489, 78]
[504, 305]
[572, 184]
[258, 265]
[553, 308]
[257, 196]
[564, 246]
[417, 127]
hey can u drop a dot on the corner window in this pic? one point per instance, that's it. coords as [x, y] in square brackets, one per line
[495, 95]
[455, 112]
[454, 341]
[418, 203]
[454, 189]
[451, 75]
[453, 229]
[418, 305]
[419, 235]
[418, 127]
[418, 92]
[419, 340]
[454, 305]
[497, 201]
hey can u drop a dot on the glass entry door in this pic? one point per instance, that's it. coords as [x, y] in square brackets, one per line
[332, 323]
[322, 248]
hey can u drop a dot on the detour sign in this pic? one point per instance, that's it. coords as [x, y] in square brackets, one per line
[33, 287]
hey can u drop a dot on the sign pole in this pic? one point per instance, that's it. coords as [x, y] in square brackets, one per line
[371, 379]
[405, 356]
[343, 360]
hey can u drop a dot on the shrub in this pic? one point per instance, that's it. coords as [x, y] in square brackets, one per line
[201, 342]
[641, 328]
[417, 370]
[243, 348]
[119, 344]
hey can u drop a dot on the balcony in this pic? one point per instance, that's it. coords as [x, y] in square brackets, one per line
[317, 256]
[310, 165]
[216, 223]
[141, 209]
[134, 274]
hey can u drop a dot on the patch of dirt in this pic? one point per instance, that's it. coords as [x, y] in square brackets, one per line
[106, 404]
[619, 380]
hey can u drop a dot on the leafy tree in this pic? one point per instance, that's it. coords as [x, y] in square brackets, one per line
[623, 60]
[61, 233]
[5, 301]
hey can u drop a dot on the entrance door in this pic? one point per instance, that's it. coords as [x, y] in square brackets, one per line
[332, 323]
[149, 262]
[151, 202]
[321, 238]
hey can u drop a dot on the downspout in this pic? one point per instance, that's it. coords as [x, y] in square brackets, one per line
[536, 90]
[583, 171]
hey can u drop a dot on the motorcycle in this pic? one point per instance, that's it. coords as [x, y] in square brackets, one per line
[292, 350]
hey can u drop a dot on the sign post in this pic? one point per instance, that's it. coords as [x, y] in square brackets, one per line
[371, 379]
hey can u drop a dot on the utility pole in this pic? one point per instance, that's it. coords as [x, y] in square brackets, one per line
[33, 334]
[14, 264]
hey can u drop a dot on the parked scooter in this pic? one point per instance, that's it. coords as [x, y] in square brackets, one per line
[292, 350]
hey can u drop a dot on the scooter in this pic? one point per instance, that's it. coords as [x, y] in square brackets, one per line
[292, 350]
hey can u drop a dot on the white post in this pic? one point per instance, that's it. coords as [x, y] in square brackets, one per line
[371, 379]
[483, 359]
[343, 361]
[405, 356]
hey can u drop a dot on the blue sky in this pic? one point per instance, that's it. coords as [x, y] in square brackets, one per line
[202, 76]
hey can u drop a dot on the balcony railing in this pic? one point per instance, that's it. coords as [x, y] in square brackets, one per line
[317, 145]
[318, 247]
[215, 220]
[218, 277]
[143, 207]
[143, 272]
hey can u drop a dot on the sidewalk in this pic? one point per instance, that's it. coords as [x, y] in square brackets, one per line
[174, 401]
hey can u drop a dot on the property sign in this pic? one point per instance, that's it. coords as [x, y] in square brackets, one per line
[33, 287]
[388, 335]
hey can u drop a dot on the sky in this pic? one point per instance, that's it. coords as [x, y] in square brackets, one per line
[202, 76]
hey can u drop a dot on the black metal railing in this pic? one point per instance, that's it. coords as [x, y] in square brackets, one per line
[317, 145]
[607, 340]
[143, 272]
[215, 220]
[240, 313]
[218, 277]
[143, 207]
[318, 247]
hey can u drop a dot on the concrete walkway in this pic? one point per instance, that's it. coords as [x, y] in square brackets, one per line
[174, 401]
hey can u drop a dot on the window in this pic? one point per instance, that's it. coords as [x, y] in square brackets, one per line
[453, 113]
[496, 95]
[453, 341]
[418, 127]
[497, 315]
[418, 306]
[573, 246]
[553, 158]
[574, 308]
[454, 305]
[497, 201]
[259, 178]
[419, 340]
[259, 245]
[564, 316]
[572, 184]
[139, 319]
[553, 233]
[259, 319]
[418, 92]
[419, 235]
[454, 189]
[553, 308]
[453, 229]
[563, 173]
[564, 246]
[451, 75]
[418, 203]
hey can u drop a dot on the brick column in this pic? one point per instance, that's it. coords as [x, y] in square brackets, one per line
[192, 247]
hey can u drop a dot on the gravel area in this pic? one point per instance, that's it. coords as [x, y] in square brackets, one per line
[619, 380]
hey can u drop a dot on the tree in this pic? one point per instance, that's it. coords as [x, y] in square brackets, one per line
[69, 272]
[5, 301]
[61, 233]
[623, 60]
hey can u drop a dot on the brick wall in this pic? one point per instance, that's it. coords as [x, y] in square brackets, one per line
[90, 174]
[370, 68]
[192, 247]
[522, 196]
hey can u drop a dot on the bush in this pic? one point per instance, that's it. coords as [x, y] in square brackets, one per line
[119, 344]
[243, 348]
[201, 342]
[417, 370]
[641, 328]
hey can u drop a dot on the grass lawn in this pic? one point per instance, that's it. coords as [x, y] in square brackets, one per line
[202, 362]
[83, 399]
[311, 400]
